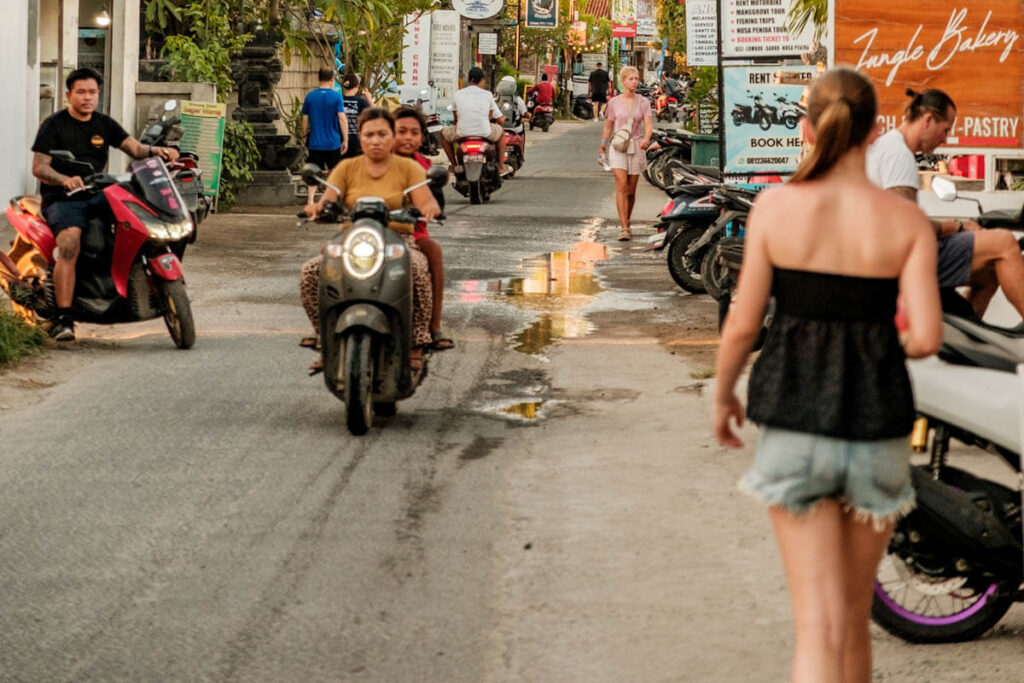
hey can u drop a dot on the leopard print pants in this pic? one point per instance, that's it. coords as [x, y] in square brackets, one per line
[422, 293]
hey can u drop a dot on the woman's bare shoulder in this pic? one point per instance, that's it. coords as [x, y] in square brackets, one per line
[899, 210]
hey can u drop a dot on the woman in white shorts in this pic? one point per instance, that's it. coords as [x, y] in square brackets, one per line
[627, 166]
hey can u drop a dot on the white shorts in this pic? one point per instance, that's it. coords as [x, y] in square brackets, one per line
[496, 134]
[632, 164]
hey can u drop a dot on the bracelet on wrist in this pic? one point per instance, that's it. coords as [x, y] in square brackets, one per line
[604, 140]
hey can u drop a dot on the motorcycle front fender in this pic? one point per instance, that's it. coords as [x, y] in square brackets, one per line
[363, 315]
[474, 169]
[166, 267]
[714, 229]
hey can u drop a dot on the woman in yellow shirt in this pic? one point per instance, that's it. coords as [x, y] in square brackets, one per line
[379, 173]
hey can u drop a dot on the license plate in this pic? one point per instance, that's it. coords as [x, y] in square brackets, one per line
[474, 157]
[657, 238]
[434, 129]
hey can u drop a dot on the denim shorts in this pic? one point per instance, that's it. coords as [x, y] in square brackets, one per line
[796, 470]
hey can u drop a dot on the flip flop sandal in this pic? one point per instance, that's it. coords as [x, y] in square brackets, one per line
[317, 367]
[310, 342]
[440, 341]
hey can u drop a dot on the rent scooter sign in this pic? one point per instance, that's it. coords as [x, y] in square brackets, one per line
[761, 117]
[972, 50]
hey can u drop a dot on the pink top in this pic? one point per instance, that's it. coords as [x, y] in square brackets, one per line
[618, 111]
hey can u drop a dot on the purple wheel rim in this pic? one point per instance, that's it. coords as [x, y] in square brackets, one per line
[933, 621]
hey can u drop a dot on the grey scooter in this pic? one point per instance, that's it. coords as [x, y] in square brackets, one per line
[366, 306]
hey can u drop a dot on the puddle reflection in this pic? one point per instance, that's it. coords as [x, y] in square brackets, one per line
[529, 410]
[517, 409]
[558, 285]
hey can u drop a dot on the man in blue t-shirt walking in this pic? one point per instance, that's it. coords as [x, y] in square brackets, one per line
[323, 116]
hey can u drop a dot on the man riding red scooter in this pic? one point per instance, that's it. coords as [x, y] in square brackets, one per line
[87, 134]
[122, 225]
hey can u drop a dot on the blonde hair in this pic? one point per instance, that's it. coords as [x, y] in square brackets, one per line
[627, 71]
[841, 108]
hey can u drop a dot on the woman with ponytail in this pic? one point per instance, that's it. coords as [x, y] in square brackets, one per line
[830, 391]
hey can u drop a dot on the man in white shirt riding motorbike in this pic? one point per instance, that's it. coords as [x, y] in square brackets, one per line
[474, 108]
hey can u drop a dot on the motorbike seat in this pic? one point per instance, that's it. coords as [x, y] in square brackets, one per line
[30, 204]
[968, 340]
[708, 171]
[689, 190]
[1002, 218]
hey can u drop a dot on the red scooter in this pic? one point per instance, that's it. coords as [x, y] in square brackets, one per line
[515, 138]
[126, 270]
[542, 115]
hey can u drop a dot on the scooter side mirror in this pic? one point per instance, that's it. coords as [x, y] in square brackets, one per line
[944, 189]
[170, 105]
[437, 176]
[64, 162]
[311, 175]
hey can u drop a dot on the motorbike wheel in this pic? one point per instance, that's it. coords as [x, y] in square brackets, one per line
[475, 193]
[177, 313]
[922, 608]
[546, 125]
[764, 123]
[737, 119]
[652, 161]
[713, 272]
[790, 122]
[358, 382]
[685, 270]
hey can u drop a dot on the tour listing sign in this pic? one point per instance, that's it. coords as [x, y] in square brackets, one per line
[973, 51]
[701, 33]
[759, 28]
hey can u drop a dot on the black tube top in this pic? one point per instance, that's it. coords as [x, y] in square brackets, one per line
[832, 363]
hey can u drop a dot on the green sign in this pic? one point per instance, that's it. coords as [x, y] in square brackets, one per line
[202, 124]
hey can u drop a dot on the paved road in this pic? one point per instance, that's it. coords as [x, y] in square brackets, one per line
[548, 507]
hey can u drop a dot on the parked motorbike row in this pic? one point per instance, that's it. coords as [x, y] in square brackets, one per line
[955, 564]
[703, 219]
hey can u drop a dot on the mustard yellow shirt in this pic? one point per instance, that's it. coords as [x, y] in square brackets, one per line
[354, 182]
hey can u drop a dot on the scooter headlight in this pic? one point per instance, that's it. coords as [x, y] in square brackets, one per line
[363, 253]
[171, 232]
[158, 229]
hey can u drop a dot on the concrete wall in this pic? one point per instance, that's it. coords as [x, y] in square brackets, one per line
[124, 70]
[19, 53]
[151, 95]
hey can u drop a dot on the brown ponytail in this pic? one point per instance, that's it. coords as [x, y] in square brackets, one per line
[841, 108]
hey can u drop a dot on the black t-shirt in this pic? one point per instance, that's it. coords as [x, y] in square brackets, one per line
[354, 106]
[599, 81]
[88, 140]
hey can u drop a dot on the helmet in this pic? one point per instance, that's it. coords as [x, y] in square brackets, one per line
[506, 86]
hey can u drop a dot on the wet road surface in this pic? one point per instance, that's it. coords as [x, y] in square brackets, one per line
[549, 506]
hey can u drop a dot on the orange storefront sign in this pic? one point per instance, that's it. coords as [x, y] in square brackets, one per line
[972, 50]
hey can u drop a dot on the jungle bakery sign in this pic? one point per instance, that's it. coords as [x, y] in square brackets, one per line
[972, 50]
